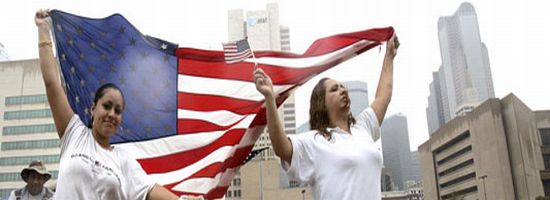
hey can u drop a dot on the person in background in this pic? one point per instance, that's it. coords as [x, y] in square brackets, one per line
[35, 176]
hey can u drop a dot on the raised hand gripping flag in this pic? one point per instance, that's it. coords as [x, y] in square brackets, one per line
[190, 118]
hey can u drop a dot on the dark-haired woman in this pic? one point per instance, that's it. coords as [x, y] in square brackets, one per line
[90, 168]
[338, 158]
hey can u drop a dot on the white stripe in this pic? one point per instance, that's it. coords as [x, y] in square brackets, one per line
[203, 185]
[224, 87]
[219, 117]
[227, 54]
[178, 143]
[345, 53]
[219, 155]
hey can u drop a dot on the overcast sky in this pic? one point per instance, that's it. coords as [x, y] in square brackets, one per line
[515, 33]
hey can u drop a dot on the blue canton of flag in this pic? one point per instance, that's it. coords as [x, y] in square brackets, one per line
[111, 50]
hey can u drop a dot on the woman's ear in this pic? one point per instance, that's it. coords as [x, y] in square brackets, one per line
[92, 110]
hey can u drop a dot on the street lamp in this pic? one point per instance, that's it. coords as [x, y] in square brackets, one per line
[482, 178]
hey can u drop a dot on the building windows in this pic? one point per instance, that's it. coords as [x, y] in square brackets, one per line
[546, 161]
[27, 114]
[26, 129]
[35, 144]
[26, 99]
[25, 160]
[545, 136]
[6, 192]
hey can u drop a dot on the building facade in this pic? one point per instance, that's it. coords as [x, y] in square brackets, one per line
[464, 78]
[492, 152]
[27, 128]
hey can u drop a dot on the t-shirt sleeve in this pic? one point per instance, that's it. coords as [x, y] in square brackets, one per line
[368, 119]
[74, 130]
[301, 167]
[138, 184]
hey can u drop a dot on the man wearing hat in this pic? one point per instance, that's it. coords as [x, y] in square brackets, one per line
[35, 176]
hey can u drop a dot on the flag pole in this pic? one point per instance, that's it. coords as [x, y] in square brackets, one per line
[252, 52]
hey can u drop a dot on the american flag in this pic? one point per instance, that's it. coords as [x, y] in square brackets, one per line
[237, 51]
[190, 119]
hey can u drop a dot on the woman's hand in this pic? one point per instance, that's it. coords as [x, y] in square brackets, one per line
[392, 46]
[263, 83]
[40, 19]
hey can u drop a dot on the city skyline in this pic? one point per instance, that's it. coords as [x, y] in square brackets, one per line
[513, 32]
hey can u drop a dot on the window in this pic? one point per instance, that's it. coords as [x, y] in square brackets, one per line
[26, 129]
[25, 160]
[35, 144]
[27, 114]
[26, 99]
[546, 161]
[545, 136]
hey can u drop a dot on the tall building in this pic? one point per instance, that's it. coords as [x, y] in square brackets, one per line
[358, 94]
[396, 151]
[499, 150]
[464, 79]
[3, 53]
[264, 33]
[28, 130]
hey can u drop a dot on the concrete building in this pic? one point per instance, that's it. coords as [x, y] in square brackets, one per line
[492, 152]
[543, 124]
[264, 180]
[28, 131]
[464, 78]
[3, 53]
[396, 151]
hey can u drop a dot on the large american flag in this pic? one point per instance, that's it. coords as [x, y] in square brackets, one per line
[190, 118]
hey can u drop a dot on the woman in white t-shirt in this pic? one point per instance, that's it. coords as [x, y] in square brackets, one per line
[338, 158]
[90, 168]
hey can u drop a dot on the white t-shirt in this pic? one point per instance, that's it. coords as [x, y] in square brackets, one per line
[87, 171]
[347, 167]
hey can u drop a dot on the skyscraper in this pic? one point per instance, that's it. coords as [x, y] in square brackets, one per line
[396, 151]
[358, 94]
[464, 78]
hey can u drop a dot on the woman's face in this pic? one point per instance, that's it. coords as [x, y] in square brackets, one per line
[336, 96]
[107, 113]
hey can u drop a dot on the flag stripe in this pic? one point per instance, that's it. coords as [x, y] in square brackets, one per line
[224, 87]
[197, 101]
[220, 118]
[186, 158]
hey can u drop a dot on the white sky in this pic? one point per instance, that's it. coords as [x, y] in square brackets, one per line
[515, 32]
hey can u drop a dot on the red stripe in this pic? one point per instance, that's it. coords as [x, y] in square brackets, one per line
[180, 160]
[243, 71]
[198, 102]
[190, 126]
[214, 169]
